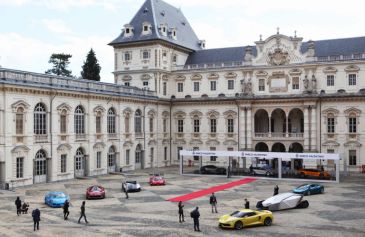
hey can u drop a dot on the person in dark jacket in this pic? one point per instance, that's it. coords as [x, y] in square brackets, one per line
[18, 204]
[65, 210]
[213, 203]
[125, 189]
[195, 215]
[181, 212]
[25, 207]
[276, 190]
[247, 204]
[36, 214]
[83, 212]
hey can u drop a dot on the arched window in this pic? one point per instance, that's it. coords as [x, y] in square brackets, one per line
[63, 121]
[19, 121]
[138, 121]
[98, 122]
[40, 127]
[111, 159]
[111, 121]
[40, 163]
[79, 120]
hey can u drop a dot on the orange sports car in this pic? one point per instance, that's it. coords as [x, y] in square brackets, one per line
[313, 173]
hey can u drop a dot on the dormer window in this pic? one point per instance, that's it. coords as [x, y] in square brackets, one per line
[173, 33]
[128, 30]
[163, 29]
[174, 59]
[146, 28]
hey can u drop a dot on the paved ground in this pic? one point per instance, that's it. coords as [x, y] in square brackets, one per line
[338, 212]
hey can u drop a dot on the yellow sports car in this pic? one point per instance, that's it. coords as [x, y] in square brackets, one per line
[246, 217]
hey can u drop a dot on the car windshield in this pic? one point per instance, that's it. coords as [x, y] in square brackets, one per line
[238, 214]
[303, 186]
[95, 189]
[157, 178]
[58, 195]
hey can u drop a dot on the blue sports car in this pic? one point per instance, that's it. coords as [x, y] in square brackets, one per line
[309, 189]
[56, 199]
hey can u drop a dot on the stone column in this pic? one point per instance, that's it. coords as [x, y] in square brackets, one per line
[250, 128]
[269, 126]
[313, 128]
[306, 129]
[287, 126]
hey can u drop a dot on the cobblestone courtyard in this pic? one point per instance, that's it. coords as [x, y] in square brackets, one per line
[339, 212]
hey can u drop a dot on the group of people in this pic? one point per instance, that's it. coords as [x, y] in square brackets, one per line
[21, 208]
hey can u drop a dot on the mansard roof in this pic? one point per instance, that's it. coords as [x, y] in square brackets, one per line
[157, 13]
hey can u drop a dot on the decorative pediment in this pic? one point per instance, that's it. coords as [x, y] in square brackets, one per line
[64, 147]
[331, 143]
[165, 141]
[152, 113]
[145, 77]
[230, 75]
[352, 144]
[180, 114]
[352, 68]
[261, 74]
[230, 113]
[195, 113]
[21, 148]
[295, 72]
[20, 103]
[99, 145]
[64, 106]
[99, 108]
[180, 142]
[230, 143]
[165, 114]
[196, 77]
[213, 113]
[152, 143]
[180, 78]
[352, 111]
[196, 142]
[126, 78]
[213, 76]
[128, 144]
[333, 111]
[212, 143]
[330, 70]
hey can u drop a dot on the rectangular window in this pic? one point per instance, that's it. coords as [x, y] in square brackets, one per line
[196, 86]
[127, 157]
[63, 123]
[126, 124]
[213, 158]
[196, 125]
[178, 152]
[145, 55]
[352, 79]
[262, 85]
[98, 124]
[295, 83]
[152, 155]
[330, 125]
[145, 28]
[196, 149]
[165, 153]
[63, 163]
[127, 84]
[164, 88]
[330, 80]
[145, 83]
[352, 157]
[174, 59]
[164, 125]
[98, 159]
[180, 125]
[213, 85]
[151, 124]
[230, 127]
[127, 56]
[352, 125]
[230, 84]
[19, 167]
[19, 125]
[180, 87]
[330, 151]
[213, 125]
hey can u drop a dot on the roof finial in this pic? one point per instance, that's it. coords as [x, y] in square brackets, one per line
[295, 34]
[260, 37]
[277, 30]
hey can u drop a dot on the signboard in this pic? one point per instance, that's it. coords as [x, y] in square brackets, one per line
[263, 155]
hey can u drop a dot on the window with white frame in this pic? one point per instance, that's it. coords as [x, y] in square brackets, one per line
[295, 83]
[352, 157]
[230, 84]
[196, 86]
[63, 122]
[213, 158]
[180, 87]
[180, 125]
[98, 159]
[19, 167]
[127, 56]
[151, 124]
[145, 54]
[213, 85]
[63, 163]
[138, 121]
[213, 125]
[330, 124]
[127, 152]
[261, 84]
[79, 120]
[230, 127]
[19, 121]
[330, 80]
[352, 124]
[352, 79]
[165, 153]
[196, 149]
[164, 88]
[164, 125]
[111, 121]
[196, 125]
[40, 119]
[98, 122]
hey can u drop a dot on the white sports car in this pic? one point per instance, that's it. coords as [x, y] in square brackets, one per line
[283, 201]
[132, 186]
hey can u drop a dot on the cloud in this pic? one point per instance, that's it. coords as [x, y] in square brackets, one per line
[56, 26]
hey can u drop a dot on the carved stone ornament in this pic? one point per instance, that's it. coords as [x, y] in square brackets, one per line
[278, 57]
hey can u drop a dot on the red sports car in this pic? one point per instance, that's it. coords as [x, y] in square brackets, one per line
[157, 180]
[95, 191]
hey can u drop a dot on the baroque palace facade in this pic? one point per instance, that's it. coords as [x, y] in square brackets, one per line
[280, 94]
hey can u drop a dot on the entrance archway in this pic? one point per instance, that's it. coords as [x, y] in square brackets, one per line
[261, 122]
[278, 123]
[261, 146]
[111, 159]
[278, 147]
[295, 122]
[40, 167]
[80, 163]
[138, 157]
[296, 148]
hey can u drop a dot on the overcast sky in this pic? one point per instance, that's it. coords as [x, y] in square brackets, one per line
[31, 30]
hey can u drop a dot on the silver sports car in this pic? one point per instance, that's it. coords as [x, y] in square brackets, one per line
[283, 201]
[131, 186]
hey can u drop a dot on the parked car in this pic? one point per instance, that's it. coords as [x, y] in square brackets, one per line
[309, 189]
[313, 173]
[132, 186]
[157, 180]
[246, 217]
[56, 199]
[264, 170]
[95, 191]
[283, 201]
[212, 169]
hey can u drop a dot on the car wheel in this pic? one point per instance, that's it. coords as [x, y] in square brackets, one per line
[267, 221]
[238, 225]
[322, 190]
[268, 173]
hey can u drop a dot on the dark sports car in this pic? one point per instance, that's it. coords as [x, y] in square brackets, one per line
[95, 191]
[212, 169]
[309, 189]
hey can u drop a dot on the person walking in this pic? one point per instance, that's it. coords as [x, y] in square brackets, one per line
[247, 204]
[181, 212]
[83, 213]
[276, 190]
[65, 210]
[36, 214]
[18, 204]
[125, 189]
[195, 215]
[213, 203]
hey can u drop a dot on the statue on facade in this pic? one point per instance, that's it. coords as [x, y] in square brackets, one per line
[314, 83]
[306, 83]
[243, 85]
[248, 87]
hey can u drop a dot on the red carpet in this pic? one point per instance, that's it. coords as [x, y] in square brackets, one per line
[214, 189]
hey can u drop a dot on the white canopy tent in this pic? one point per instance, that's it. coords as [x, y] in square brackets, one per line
[281, 156]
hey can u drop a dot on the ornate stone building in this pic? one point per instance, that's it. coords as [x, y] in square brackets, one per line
[279, 94]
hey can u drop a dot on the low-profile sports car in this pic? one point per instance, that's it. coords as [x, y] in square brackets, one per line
[322, 174]
[283, 201]
[131, 186]
[212, 169]
[157, 180]
[267, 171]
[309, 189]
[246, 217]
[95, 191]
[56, 199]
